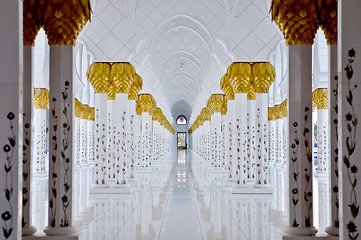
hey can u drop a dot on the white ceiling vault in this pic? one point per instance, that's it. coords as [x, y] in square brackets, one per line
[181, 48]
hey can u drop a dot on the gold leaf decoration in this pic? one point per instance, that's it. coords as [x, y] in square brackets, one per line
[264, 75]
[215, 103]
[277, 111]
[135, 88]
[227, 87]
[83, 111]
[320, 98]
[224, 105]
[114, 78]
[63, 20]
[250, 78]
[98, 76]
[297, 20]
[328, 19]
[41, 98]
[239, 76]
[32, 10]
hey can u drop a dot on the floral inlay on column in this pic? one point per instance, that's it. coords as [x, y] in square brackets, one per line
[335, 159]
[350, 141]
[308, 171]
[66, 138]
[26, 180]
[295, 173]
[54, 175]
[9, 148]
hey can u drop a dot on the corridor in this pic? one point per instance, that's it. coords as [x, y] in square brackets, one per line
[180, 200]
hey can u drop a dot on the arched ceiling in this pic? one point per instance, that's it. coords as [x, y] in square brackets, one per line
[181, 48]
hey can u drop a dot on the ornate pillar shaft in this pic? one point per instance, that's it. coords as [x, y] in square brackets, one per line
[216, 122]
[333, 229]
[61, 141]
[131, 134]
[100, 143]
[146, 125]
[349, 98]
[261, 138]
[120, 122]
[11, 136]
[322, 140]
[27, 141]
[223, 142]
[111, 149]
[229, 138]
[251, 142]
[240, 126]
[300, 140]
[138, 140]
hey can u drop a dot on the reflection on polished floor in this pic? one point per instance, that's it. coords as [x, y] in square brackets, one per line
[180, 202]
[181, 197]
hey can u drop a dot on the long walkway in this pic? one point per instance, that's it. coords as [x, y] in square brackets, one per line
[181, 220]
[181, 197]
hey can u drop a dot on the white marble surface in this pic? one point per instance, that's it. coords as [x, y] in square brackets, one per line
[180, 197]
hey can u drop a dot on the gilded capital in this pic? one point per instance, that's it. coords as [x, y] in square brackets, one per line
[320, 98]
[297, 20]
[41, 98]
[63, 20]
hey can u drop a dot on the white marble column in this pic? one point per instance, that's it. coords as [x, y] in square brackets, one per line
[132, 137]
[120, 122]
[222, 142]
[28, 81]
[229, 139]
[349, 106]
[138, 140]
[240, 126]
[333, 229]
[322, 141]
[111, 162]
[100, 143]
[216, 121]
[61, 141]
[11, 138]
[300, 140]
[251, 145]
[146, 125]
[261, 138]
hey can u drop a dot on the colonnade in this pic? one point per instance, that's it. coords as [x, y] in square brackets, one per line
[235, 125]
[291, 134]
[130, 131]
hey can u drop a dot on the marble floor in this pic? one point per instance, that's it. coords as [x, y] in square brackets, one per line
[181, 197]
[186, 204]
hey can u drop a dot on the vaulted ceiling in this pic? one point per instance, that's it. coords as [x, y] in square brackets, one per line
[181, 48]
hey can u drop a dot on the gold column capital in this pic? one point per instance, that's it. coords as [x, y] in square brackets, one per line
[63, 20]
[135, 87]
[32, 11]
[227, 87]
[328, 19]
[320, 98]
[264, 75]
[41, 98]
[297, 20]
[239, 76]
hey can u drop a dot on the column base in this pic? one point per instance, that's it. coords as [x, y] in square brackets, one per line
[262, 186]
[299, 232]
[332, 231]
[28, 231]
[62, 232]
[250, 189]
[111, 189]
